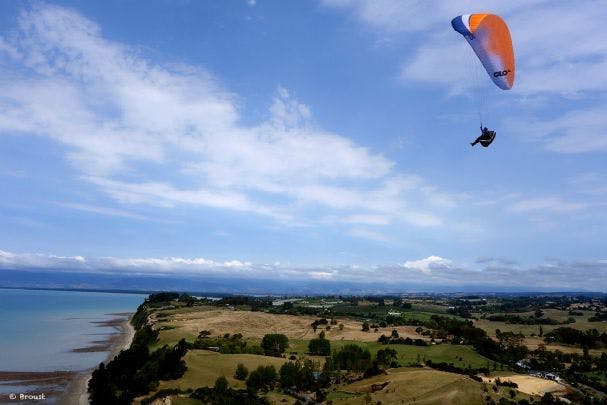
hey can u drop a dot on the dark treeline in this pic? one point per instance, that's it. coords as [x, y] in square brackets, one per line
[589, 338]
[221, 394]
[527, 320]
[255, 303]
[598, 317]
[136, 371]
[449, 367]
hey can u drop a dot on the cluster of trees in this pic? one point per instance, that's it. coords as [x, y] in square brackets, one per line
[462, 311]
[388, 340]
[395, 339]
[136, 371]
[319, 322]
[528, 320]
[354, 358]
[221, 393]
[227, 344]
[510, 384]
[589, 338]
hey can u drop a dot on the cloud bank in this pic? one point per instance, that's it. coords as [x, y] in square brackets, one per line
[431, 272]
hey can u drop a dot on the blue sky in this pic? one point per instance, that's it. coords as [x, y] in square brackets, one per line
[321, 140]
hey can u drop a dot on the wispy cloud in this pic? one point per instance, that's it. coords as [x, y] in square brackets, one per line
[119, 115]
[103, 211]
[547, 204]
[577, 131]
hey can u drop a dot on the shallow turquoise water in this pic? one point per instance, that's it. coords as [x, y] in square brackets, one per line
[40, 328]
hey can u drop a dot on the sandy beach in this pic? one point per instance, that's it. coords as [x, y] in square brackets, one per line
[76, 391]
[70, 387]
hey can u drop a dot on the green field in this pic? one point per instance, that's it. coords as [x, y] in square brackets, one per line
[205, 366]
[408, 354]
[413, 385]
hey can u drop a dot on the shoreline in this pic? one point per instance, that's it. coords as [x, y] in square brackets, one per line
[77, 389]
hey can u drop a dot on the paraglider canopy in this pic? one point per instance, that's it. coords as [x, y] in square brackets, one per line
[489, 37]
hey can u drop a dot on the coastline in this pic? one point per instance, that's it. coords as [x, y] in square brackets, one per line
[76, 391]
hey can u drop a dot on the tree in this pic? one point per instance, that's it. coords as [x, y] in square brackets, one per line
[100, 388]
[341, 326]
[351, 357]
[241, 372]
[319, 347]
[289, 374]
[394, 334]
[262, 378]
[204, 334]
[274, 344]
[386, 357]
[365, 327]
[221, 385]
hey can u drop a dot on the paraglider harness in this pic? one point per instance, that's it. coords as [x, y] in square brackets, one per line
[486, 137]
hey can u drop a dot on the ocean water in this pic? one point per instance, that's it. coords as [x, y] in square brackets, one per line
[40, 328]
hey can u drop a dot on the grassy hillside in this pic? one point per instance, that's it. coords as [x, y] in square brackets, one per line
[204, 367]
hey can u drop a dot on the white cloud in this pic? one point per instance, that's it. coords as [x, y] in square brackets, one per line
[428, 264]
[120, 115]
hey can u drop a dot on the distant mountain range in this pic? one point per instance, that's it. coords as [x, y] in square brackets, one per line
[57, 279]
